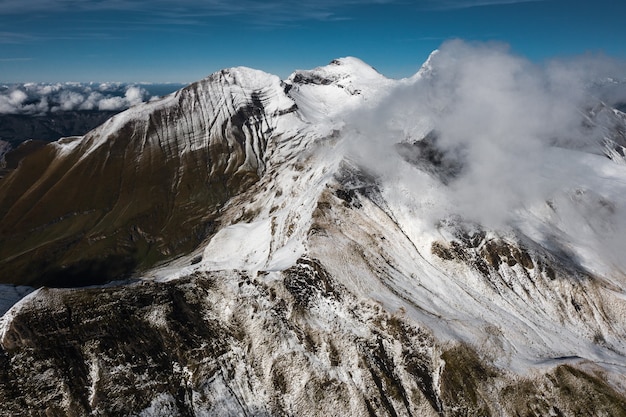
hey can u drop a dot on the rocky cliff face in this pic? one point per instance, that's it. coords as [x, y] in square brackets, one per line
[294, 280]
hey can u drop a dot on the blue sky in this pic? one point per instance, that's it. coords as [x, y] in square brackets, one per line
[185, 40]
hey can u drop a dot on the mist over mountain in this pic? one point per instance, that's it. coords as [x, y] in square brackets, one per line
[336, 242]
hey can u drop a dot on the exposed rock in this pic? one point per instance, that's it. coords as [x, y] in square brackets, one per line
[236, 344]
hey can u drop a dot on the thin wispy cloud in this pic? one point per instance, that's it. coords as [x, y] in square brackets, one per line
[186, 13]
[15, 59]
[258, 14]
[85, 34]
[182, 11]
[15, 38]
[466, 4]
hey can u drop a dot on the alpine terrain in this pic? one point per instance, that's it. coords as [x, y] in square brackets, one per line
[336, 243]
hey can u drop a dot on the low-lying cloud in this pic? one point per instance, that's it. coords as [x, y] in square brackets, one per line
[38, 98]
[512, 134]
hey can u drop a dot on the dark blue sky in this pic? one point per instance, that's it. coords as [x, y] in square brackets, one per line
[185, 40]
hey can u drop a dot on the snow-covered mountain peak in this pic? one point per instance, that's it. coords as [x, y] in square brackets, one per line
[324, 93]
[232, 91]
[427, 68]
[353, 67]
[247, 78]
[342, 71]
[282, 275]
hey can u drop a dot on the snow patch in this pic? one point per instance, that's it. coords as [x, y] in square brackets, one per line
[240, 246]
[66, 146]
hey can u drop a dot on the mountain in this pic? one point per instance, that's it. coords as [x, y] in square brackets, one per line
[18, 128]
[144, 186]
[320, 245]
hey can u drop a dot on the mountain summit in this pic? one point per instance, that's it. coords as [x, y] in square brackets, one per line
[334, 243]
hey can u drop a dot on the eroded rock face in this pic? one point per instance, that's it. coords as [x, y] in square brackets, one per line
[526, 273]
[290, 343]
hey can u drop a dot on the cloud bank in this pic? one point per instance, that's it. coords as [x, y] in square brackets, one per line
[503, 135]
[37, 98]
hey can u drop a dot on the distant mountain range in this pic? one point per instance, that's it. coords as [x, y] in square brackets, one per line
[17, 128]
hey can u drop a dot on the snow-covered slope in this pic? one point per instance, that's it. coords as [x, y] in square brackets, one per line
[351, 276]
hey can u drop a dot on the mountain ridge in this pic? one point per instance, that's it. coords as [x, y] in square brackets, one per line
[102, 154]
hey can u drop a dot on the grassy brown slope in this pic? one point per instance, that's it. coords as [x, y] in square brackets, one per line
[136, 200]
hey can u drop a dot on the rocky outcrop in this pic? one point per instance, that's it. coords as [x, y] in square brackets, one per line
[278, 343]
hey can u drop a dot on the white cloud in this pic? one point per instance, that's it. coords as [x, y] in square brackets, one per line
[17, 97]
[111, 103]
[70, 100]
[91, 101]
[134, 95]
[497, 118]
[35, 98]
